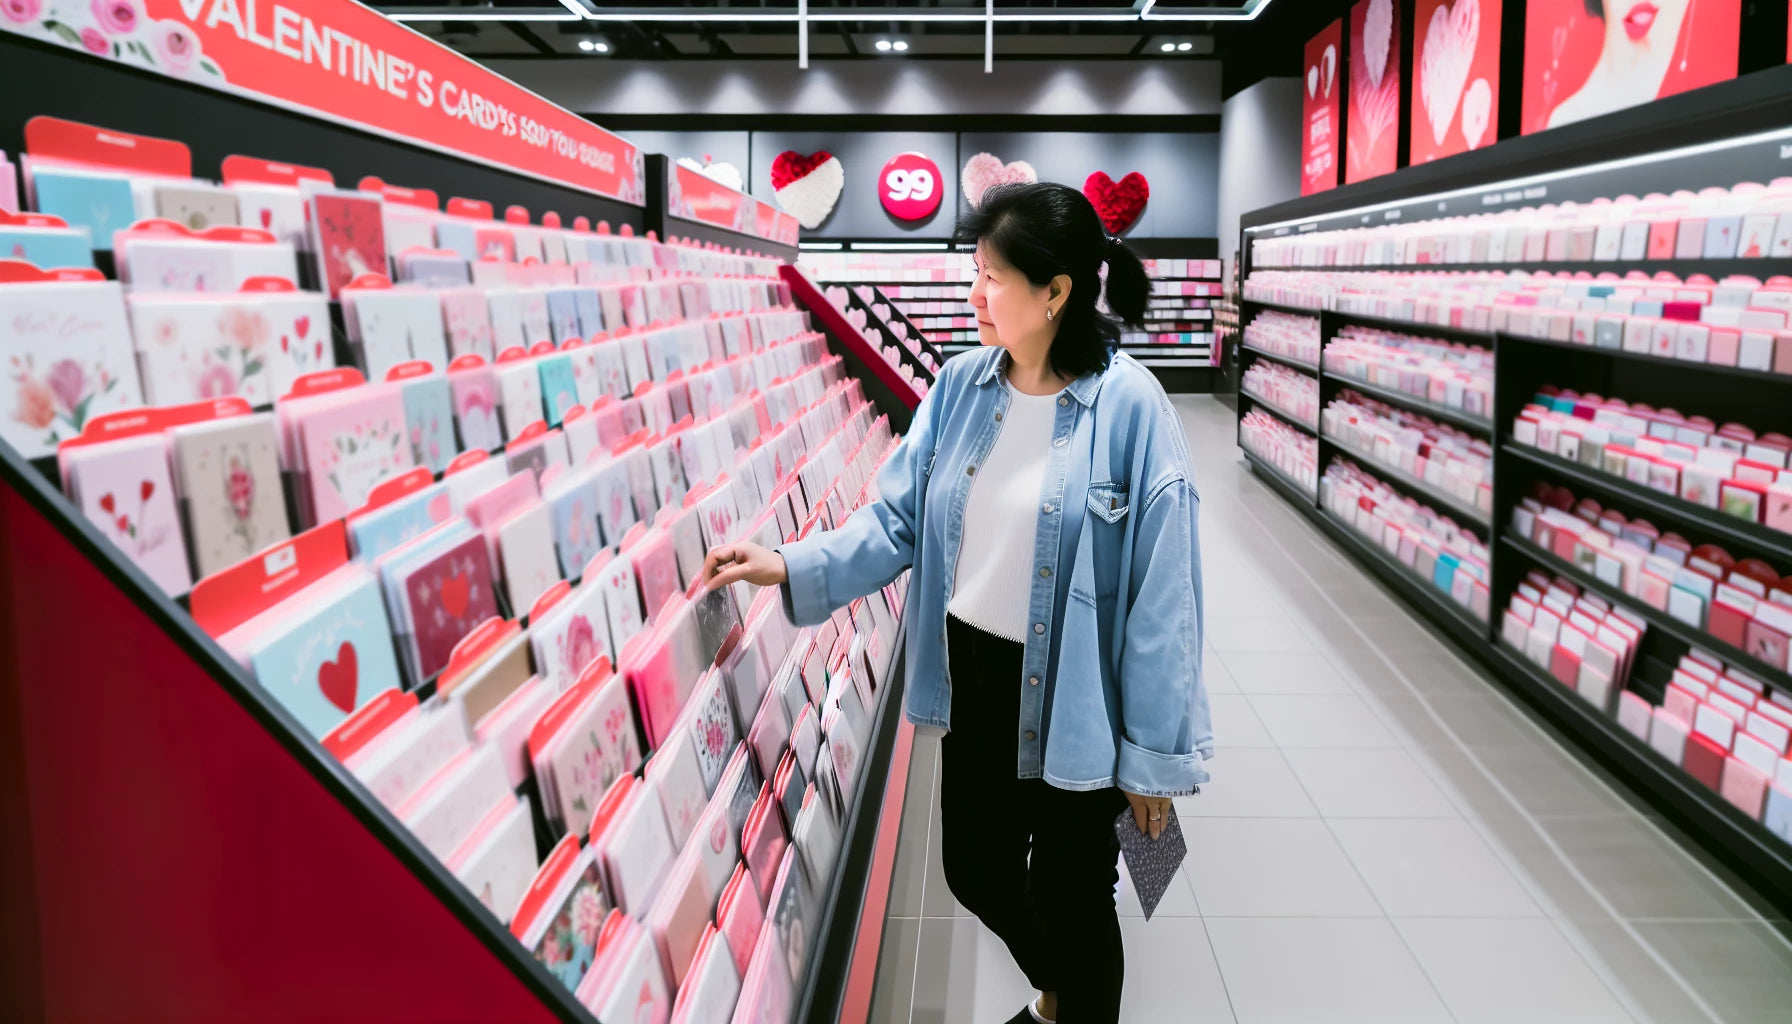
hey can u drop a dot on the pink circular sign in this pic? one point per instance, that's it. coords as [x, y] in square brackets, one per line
[909, 186]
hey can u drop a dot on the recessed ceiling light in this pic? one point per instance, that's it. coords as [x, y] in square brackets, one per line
[883, 45]
[587, 45]
[603, 47]
[1185, 47]
[1168, 47]
[900, 45]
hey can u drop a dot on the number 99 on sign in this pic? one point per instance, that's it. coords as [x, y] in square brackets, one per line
[909, 187]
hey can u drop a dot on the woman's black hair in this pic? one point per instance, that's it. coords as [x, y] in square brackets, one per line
[1596, 8]
[1044, 229]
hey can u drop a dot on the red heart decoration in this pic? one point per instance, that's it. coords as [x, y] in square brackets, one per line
[302, 325]
[336, 679]
[1118, 204]
[791, 165]
[267, 218]
[284, 343]
[146, 488]
[454, 594]
[107, 503]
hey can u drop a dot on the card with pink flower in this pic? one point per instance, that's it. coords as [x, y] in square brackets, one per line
[571, 636]
[586, 755]
[66, 351]
[349, 446]
[125, 490]
[193, 346]
[570, 943]
[476, 408]
[227, 473]
[712, 728]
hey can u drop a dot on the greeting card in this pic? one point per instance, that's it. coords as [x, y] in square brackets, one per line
[526, 553]
[101, 203]
[498, 860]
[125, 490]
[279, 209]
[573, 499]
[389, 326]
[227, 474]
[432, 269]
[740, 913]
[668, 472]
[348, 236]
[158, 263]
[476, 408]
[67, 355]
[410, 228]
[612, 375]
[449, 808]
[636, 850]
[591, 311]
[788, 909]
[622, 601]
[468, 323]
[570, 636]
[678, 918]
[324, 652]
[445, 595]
[563, 315]
[586, 756]
[569, 943]
[637, 988]
[714, 736]
[615, 500]
[483, 691]
[656, 570]
[47, 248]
[408, 753]
[429, 421]
[519, 396]
[196, 207]
[559, 389]
[349, 445]
[192, 347]
[711, 985]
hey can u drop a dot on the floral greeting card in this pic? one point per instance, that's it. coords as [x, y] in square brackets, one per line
[570, 944]
[389, 326]
[713, 732]
[570, 637]
[429, 421]
[125, 490]
[348, 235]
[67, 356]
[349, 446]
[467, 320]
[195, 347]
[595, 746]
[476, 408]
[228, 475]
[328, 651]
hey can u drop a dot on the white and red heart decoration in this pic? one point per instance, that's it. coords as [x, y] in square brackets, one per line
[720, 172]
[807, 187]
[1117, 203]
[986, 170]
[1449, 52]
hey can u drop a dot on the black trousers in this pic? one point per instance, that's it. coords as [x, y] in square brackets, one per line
[1036, 864]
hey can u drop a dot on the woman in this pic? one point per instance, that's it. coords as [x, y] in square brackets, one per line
[1044, 499]
[1644, 56]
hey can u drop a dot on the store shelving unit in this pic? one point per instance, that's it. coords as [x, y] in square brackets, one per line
[1732, 132]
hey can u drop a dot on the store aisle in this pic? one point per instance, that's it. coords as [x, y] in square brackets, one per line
[1388, 838]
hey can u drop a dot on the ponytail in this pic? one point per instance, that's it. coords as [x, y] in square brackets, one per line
[1129, 287]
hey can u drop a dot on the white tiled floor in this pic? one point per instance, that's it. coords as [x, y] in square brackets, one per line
[1388, 837]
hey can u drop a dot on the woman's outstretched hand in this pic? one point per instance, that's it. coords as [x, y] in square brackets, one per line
[733, 563]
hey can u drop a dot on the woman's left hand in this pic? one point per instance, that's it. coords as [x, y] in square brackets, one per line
[1149, 812]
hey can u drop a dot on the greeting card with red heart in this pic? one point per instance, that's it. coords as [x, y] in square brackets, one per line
[1118, 203]
[336, 679]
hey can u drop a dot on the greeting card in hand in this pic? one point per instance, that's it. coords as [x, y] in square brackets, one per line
[476, 408]
[468, 323]
[279, 209]
[125, 490]
[101, 203]
[389, 326]
[196, 207]
[350, 445]
[429, 421]
[559, 389]
[227, 474]
[324, 652]
[348, 235]
[67, 356]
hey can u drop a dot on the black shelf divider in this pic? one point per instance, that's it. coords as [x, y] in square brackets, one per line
[1263, 353]
[1441, 413]
[1752, 538]
[1467, 515]
[1778, 678]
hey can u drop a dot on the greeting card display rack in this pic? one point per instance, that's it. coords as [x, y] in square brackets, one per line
[1720, 136]
[156, 790]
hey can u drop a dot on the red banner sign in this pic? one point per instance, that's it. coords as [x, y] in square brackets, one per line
[347, 62]
[696, 197]
[1324, 85]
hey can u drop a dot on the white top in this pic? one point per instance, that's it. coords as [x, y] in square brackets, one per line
[1001, 520]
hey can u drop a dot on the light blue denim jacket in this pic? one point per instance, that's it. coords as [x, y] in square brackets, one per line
[1111, 690]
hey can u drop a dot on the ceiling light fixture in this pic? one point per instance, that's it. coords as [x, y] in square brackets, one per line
[587, 45]
[573, 10]
[1185, 47]
[602, 47]
[899, 45]
[883, 46]
[1168, 47]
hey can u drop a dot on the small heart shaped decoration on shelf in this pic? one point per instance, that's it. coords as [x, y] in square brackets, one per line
[1118, 203]
[986, 170]
[808, 187]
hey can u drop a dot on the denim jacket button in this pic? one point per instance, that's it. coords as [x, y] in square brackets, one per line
[1061, 442]
[1063, 400]
[1032, 680]
[970, 471]
[998, 417]
[1048, 508]
[1031, 735]
[1039, 629]
[1045, 572]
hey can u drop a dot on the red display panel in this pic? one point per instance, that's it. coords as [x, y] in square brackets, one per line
[1373, 145]
[1319, 106]
[1583, 58]
[1455, 78]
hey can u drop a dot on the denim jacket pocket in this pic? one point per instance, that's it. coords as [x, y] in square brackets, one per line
[1109, 501]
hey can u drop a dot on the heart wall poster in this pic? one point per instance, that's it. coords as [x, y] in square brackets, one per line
[808, 187]
[1322, 90]
[986, 170]
[1456, 77]
[1117, 203]
[1373, 137]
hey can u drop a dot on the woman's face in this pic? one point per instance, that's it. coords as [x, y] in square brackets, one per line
[1010, 309]
[1646, 26]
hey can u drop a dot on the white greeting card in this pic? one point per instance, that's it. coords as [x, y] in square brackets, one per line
[66, 351]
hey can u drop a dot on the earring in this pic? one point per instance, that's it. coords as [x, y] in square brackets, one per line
[1048, 312]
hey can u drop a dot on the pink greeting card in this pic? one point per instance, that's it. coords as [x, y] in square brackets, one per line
[448, 808]
[675, 776]
[622, 600]
[349, 445]
[389, 326]
[227, 475]
[125, 490]
[740, 913]
[348, 236]
[636, 850]
[66, 351]
[192, 347]
[409, 752]
[656, 570]
[476, 408]
[467, 322]
[711, 984]
[594, 746]
[497, 861]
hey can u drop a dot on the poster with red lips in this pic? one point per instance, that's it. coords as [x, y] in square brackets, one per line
[1584, 58]
[1320, 108]
[1373, 138]
[1455, 77]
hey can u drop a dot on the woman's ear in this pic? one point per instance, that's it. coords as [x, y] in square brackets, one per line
[1058, 290]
